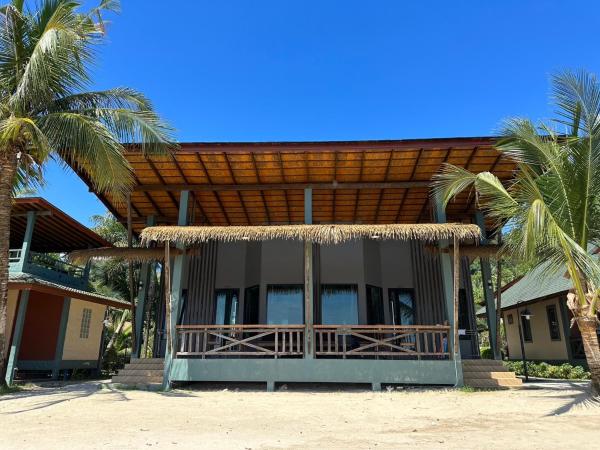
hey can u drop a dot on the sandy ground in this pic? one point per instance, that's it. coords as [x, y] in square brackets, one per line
[91, 415]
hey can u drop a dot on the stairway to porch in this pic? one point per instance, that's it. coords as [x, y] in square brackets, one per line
[488, 374]
[145, 373]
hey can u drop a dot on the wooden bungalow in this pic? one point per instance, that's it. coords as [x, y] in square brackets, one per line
[307, 261]
[55, 323]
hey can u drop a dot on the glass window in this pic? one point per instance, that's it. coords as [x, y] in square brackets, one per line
[86, 319]
[226, 306]
[526, 326]
[339, 304]
[553, 322]
[375, 315]
[285, 304]
[251, 299]
[510, 319]
[402, 306]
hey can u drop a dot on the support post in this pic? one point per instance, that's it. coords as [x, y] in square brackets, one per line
[308, 281]
[27, 239]
[449, 287]
[142, 296]
[176, 284]
[488, 291]
[60, 341]
[13, 356]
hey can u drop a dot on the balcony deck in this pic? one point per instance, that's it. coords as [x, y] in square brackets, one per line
[48, 267]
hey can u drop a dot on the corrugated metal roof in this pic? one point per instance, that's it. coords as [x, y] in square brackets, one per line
[533, 285]
[21, 280]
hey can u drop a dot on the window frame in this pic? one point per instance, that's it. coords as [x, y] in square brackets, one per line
[548, 309]
[86, 323]
[523, 328]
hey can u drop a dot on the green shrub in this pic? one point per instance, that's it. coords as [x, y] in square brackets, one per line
[486, 353]
[544, 370]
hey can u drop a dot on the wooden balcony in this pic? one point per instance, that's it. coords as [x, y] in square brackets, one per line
[256, 341]
[330, 341]
[48, 267]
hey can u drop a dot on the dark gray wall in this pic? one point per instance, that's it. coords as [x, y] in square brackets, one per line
[386, 264]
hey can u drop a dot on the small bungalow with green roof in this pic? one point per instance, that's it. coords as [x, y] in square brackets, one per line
[55, 322]
[538, 301]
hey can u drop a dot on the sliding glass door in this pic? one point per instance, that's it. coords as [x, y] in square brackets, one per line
[226, 307]
[402, 306]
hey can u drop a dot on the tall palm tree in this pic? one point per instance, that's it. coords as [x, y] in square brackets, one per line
[552, 204]
[45, 111]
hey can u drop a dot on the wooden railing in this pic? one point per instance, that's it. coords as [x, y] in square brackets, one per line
[382, 341]
[14, 255]
[213, 341]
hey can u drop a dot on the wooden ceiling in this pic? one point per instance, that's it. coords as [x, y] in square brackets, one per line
[54, 231]
[262, 183]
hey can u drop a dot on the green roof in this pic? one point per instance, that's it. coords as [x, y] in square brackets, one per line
[534, 285]
[17, 279]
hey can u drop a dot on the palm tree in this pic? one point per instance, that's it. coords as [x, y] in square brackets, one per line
[46, 112]
[552, 204]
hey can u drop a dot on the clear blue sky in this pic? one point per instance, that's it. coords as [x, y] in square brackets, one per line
[327, 70]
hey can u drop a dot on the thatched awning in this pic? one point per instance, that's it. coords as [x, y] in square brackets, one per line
[137, 254]
[319, 234]
[472, 251]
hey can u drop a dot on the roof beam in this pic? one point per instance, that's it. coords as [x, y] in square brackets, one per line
[280, 186]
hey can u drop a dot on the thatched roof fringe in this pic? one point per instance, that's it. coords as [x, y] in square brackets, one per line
[319, 234]
[137, 254]
[472, 251]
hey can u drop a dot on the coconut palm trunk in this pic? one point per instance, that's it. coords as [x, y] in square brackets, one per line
[46, 52]
[8, 168]
[588, 329]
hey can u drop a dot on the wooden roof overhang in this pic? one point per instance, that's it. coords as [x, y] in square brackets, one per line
[362, 182]
[54, 231]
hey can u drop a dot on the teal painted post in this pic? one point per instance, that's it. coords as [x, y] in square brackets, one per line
[488, 292]
[177, 285]
[16, 337]
[26, 246]
[60, 341]
[145, 270]
[308, 281]
[448, 286]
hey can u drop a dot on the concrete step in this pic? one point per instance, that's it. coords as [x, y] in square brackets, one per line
[154, 366]
[141, 386]
[135, 379]
[481, 362]
[488, 375]
[487, 368]
[494, 384]
[147, 360]
[142, 372]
